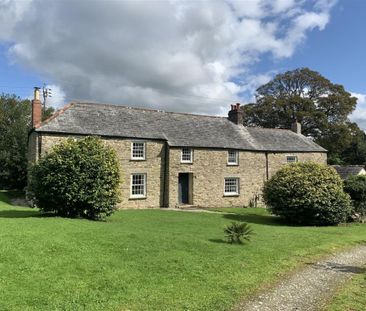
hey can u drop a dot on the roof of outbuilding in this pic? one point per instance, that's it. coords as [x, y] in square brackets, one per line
[178, 129]
[348, 170]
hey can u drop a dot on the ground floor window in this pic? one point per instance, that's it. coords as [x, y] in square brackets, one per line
[231, 186]
[138, 185]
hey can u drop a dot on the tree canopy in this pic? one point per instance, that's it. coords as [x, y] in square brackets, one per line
[321, 107]
[15, 123]
[15, 118]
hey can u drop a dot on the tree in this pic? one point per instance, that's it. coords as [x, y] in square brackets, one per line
[307, 193]
[15, 118]
[47, 112]
[15, 123]
[355, 186]
[77, 178]
[319, 105]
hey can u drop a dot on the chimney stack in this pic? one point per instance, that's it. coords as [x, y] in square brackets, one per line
[236, 115]
[36, 108]
[296, 127]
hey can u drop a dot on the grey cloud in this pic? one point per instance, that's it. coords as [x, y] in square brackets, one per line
[172, 55]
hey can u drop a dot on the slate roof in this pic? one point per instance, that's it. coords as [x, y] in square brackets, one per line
[345, 171]
[178, 129]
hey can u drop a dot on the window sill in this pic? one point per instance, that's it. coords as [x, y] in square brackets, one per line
[231, 194]
[232, 164]
[184, 162]
[142, 197]
[137, 159]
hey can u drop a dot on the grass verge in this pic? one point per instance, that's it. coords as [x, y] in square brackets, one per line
[351, 297]
[149, 259]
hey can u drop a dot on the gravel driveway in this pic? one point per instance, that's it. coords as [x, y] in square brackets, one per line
[311, 287]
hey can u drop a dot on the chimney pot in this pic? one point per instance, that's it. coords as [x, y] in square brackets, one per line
[36, 93]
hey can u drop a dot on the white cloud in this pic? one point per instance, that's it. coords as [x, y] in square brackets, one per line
[361, 98]
[57, 97]
[172, 55]
[359, 115]
[282, 5]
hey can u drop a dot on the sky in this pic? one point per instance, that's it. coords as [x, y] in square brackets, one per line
[188, 56]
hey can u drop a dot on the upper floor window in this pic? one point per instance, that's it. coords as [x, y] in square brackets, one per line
[291, 159]
[231, 186]
[232, 157]
[187, 155]
[138, 151]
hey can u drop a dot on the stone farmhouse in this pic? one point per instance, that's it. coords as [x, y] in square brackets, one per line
[173, 159]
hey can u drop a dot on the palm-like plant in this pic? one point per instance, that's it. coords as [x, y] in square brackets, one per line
[237, 231]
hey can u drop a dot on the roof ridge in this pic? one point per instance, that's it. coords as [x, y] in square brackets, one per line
[271, 129]
[146, 109]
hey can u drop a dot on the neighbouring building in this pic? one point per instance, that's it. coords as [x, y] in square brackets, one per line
[171, 159]
[349, 170]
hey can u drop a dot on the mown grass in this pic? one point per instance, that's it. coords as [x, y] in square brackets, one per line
[148, 259]
[352, 296]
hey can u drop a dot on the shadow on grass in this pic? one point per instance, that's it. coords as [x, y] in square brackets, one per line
[219, 241]
[256, 219]
[362, 242]
[338, 267]
[222, 241]
[21, 214]
[13, 197]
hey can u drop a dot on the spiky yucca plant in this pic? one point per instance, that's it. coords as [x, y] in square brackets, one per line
[237, 231]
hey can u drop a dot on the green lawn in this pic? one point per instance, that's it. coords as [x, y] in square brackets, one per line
[351, 297]
[148, 259]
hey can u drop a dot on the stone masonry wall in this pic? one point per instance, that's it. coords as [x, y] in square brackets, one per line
[278, 160]
[210, 167]
[153, 167]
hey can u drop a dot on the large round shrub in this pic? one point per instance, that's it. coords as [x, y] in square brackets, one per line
[78, 178]
[355, 186]
[307, 193]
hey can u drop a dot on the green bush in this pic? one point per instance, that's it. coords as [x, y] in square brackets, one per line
[78, 178]
[355, 186]
[309, 194]
[237, 231]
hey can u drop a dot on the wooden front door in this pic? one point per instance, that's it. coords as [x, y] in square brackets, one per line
[183, 188]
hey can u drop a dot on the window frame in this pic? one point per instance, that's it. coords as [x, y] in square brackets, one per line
[236, 163]
[181, 155]
[292, 156]
[232, 194]
[143, 158]
[138, 196]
